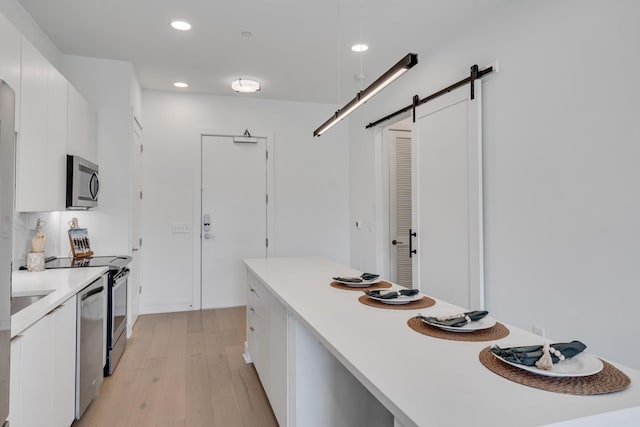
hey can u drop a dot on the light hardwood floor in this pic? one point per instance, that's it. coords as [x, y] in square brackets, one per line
[183, 370]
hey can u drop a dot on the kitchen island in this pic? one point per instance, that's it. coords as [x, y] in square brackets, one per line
[327, 359]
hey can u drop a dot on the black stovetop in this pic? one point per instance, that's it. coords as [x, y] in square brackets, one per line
[113, 262]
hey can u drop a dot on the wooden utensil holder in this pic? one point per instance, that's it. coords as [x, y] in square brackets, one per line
[35, 261]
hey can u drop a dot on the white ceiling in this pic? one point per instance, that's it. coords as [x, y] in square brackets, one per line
[299, 50]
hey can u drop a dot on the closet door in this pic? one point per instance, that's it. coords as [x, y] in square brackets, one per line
[447, 198]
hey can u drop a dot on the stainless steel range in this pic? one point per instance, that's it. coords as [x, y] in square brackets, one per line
[117, 320]
[116, 300]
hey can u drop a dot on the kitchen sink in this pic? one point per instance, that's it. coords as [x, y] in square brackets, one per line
[22, 302]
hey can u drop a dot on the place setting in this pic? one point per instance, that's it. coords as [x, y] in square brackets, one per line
[366, 281]
[398, 299]
[557, 367]
[459, 326]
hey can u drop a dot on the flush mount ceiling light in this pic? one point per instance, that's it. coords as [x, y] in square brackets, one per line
[181, 25]
[359, 48]
[245, 85]
[181, 84]
[363, 96]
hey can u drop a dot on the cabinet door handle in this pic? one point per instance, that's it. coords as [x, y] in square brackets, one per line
[54, 310]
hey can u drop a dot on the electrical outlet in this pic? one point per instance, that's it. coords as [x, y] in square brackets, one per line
[181, 227]
[538, 331]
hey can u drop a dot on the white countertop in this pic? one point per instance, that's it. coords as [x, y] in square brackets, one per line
[420, 379]
[63, 283]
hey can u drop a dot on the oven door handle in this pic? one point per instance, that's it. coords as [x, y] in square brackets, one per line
[120, 277]
[92, 293]
[119, 282]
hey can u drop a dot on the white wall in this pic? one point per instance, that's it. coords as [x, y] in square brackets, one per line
[24, 22]
[561, 154]
[310, 184]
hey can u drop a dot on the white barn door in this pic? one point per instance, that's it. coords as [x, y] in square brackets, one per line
[400, 207]
[447, 188]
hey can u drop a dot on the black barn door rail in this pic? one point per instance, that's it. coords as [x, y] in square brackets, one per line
[474, 75]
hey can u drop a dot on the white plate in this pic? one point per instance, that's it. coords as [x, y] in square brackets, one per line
[477, 325]
[362, 284]
[401, 299]
[581, 365]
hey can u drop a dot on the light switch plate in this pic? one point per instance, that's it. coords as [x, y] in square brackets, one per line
[181, 227]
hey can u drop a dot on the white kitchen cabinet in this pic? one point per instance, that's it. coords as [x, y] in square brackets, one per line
[64, 362]
[43, 371]
[267, 344]
[15, 382]
[10, 41]
[81, 126]
[253, 322]
[42, 140]
[277, 364]
[34, 403]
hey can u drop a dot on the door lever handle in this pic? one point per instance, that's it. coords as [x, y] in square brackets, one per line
[395, 242]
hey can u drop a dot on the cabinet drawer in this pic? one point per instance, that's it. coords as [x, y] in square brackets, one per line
[252, 314]
[254, 284]
[253, 301]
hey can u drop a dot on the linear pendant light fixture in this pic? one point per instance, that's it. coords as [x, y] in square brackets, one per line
[364, 95]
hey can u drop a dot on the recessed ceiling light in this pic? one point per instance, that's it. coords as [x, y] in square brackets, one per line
[180, 84]
[245, 85]
[246, 33]
[359, 47]
[181, 25]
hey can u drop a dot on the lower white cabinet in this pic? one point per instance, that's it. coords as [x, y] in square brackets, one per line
[43, 371]
[64, 361]
[267, 344]
[34, 373]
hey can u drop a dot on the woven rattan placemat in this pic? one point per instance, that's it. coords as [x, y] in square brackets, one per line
[380, 285]
[495, 332]
[608, 380]
[424, 302]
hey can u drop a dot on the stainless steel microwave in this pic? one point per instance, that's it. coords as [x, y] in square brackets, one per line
[83, 183]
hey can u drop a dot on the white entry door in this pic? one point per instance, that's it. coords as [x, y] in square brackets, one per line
[234, 216]
[447, 186]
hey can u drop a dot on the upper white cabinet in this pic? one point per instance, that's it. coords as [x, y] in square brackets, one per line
[10, 60]
[42, 140]
[81, 126]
